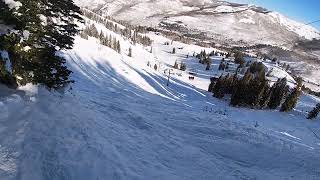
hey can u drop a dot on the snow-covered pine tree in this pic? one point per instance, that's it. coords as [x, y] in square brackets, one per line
[43, 27]
[314, 113]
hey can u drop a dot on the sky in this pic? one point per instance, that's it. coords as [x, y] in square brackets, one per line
[301, 10]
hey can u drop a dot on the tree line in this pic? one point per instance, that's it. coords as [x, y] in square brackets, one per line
[253, 90]
[129, 32]
[105, 39]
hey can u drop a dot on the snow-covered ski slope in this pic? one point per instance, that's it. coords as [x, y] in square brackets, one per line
[121, 121]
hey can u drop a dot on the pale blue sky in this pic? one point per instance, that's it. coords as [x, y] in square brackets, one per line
[301, 10]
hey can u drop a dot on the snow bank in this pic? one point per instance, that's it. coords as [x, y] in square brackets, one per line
[12, 4]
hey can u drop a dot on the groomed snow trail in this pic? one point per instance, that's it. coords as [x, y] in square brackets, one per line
[120, 121]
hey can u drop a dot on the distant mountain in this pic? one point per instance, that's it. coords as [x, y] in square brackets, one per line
[219, 21]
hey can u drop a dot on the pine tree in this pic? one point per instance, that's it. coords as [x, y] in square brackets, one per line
[239, 58]
[278, 92]
[130, 52]
[101, 36]
[119, 47]
[208, 66]
[212, 83]
[218, 90]
[173, 50]
[183, 67]
[222, 66]
[45, 26]
[176, 65]
[240, 94]
[292, 100]
[208, 62]
[314, 113]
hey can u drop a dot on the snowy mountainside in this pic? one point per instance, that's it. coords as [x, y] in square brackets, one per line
[224, 24]
[121, 121]
[219, 20]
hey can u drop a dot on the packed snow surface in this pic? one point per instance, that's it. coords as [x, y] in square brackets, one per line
[121, 121]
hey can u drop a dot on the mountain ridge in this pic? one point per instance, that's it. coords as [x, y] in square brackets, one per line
[220, 21]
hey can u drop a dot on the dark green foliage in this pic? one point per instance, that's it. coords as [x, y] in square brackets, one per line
[250, 90]
[208, 66]
[278, 92]
[6, 77]
[155, 67]
[130, 52]
[257, 67]
[183, 67]
[239, 58]
[314, 113]
[173, 50]
[118, 48]
[222, 66]
[218, 90]
[202, 56]
[176, 65]
[274, 60]
[33, 49]
[292, 100]
[208, 62]
[212, 83]
[239, 97]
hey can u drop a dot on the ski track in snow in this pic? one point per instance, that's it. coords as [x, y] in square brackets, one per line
[120, 121]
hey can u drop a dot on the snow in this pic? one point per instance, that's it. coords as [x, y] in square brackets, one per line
[44, 20]
[301, 29]
[121, 121]
[225, 9]
[5, 57]
[12, 4]
[247, 21]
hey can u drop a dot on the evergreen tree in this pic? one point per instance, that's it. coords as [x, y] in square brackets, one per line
[130, 52]
[222, 66]
[239, 58]
[183, 67]
[218, 90]
[176, 65]
[314, 113]
[119, 47]
[101, 36]
[292, 100]
[173, 50]
[212, 83]
[208, 62]
[239, 97]
[45, 26]
[208, 66]
[278, 92]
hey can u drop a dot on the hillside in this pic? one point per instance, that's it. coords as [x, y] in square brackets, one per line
[219, 21]
[120, 121]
